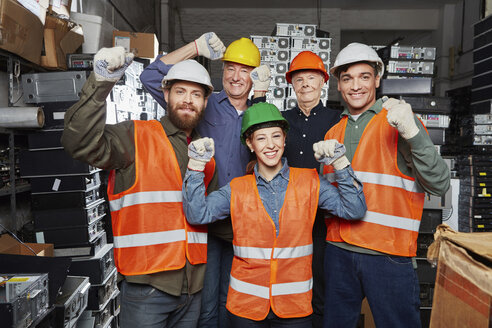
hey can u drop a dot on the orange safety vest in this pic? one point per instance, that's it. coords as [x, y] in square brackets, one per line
[394, 200]
[269, 270]
[150, 230]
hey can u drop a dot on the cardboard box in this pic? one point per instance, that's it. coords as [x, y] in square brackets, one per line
[61, 37]
[463, 289]
[37, 7]
[143, 45]
[21, 31]
[60, 7]
[9, 245]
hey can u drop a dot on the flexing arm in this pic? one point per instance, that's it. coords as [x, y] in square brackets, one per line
[415, 145]
[86, 136]
[208, 45]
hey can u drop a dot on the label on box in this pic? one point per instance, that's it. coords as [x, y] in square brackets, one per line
[58, 115]
[122, 41]
[40, 237]
[56, 185]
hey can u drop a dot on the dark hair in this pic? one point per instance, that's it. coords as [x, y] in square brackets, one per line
[340, 69]
[282, 124]
[169, 84]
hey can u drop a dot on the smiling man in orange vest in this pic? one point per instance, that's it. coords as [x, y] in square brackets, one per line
[394, 157]
[160, 256]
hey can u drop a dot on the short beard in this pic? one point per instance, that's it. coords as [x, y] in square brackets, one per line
[184, 124]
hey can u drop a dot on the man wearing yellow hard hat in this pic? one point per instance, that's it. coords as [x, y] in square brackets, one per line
[222, 122]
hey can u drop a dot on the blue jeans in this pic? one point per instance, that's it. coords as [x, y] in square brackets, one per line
[144, 306]
[271, 321]
[216, 284]
[390, 284]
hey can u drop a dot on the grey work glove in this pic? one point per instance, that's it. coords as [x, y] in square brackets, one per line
[110, 63]
[200, 153]
[209, 45]
[261, 78]
[331, 152]
[401, 117]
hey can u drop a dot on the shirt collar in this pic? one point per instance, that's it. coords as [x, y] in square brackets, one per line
[284, 172]
[172, 129]
[222, 96]
[376, 108]
[315, 109]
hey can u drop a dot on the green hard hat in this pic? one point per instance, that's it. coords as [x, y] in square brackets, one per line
[259, 116]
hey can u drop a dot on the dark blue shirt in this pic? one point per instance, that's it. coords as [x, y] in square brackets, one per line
[221, 122]
[304, 131]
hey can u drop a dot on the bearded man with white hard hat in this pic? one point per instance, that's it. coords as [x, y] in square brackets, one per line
[395, 159]
[160, 258]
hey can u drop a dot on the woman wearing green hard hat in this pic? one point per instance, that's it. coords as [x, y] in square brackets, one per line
[272, 211]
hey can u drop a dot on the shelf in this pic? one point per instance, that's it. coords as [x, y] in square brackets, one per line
[19, 188]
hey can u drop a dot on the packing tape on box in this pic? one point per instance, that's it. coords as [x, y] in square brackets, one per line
[21, 117]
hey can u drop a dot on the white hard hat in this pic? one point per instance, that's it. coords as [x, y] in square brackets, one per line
[189, 70]
[357, 52]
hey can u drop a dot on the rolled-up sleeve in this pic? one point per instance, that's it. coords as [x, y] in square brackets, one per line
[347, 200]
[152, 77]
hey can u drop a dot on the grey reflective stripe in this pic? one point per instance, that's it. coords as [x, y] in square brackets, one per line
[146, 197]
[392, 221]
[197, 237]
[292, 288]
[387, 180]
[250, 289]
[252, 252]
[292, 252]
[277, 289]
[278, 253]
[150, 238]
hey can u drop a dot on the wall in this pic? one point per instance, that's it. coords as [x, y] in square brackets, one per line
[440, 28]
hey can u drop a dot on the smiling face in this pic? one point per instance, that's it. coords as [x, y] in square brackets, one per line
[236, 80]
[268, 144]
[357, 86]
[307, 85]
[185, 104]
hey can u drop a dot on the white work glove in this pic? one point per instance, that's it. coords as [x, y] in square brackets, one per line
[110, 63]
[200, 153]
[401, 117]
[331, 152]
[261, 78]
[209, 45]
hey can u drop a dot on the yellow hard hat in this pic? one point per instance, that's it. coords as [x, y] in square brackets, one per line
[243, 51]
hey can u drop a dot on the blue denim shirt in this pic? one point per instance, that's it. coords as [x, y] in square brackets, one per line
[221, 122]
[346, 201]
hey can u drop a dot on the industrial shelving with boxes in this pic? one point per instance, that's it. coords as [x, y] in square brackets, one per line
[277, 51]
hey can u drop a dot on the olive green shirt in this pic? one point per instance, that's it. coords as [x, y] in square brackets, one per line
[417, 157]
[88, 138]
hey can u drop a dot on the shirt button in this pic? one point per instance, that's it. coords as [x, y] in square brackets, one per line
[300, 152]
[275, 211]
[356, 126]
[306, 119]
[304, 136]
[314, 113]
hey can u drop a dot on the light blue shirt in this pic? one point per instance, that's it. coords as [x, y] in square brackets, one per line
[346, 201]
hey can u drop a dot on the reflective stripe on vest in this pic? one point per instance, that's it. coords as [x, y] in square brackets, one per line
[277, 289]
[150, 238]
[394, 201]
[271, 271]
[146, 197]
[278, 253]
